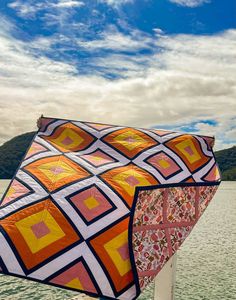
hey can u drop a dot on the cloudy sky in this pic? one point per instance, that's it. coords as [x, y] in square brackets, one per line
[151, 63]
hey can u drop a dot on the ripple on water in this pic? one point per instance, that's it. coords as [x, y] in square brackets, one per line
[206, 262]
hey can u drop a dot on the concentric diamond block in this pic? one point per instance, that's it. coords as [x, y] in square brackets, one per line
[91, 203]
[118, 250]
[124, 180]
[56, 171]
[129, 141]
[98, 158]
[16, 191]
[112, 248]
[213, 174]
[35, 148]
[76, 277]
[164, 164]
[70, 138]
[38, 232]
[188, 148]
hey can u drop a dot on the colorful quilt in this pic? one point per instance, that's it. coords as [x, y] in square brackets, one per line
[100, 209]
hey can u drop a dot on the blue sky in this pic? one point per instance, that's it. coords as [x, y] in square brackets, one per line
[155, 63]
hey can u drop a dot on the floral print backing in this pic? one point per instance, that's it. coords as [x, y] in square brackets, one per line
[163, 219]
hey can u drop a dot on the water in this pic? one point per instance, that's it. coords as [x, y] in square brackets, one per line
[206, 264]
[206, 268]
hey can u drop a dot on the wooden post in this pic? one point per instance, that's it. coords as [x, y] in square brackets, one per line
[165, 281]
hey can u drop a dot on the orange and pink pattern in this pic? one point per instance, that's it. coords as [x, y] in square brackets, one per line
[99, 209]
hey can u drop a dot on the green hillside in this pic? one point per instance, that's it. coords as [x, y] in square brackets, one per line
[12, 152]
[227, 162]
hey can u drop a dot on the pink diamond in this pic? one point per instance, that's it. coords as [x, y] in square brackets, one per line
[40, 229]
[19, 190]
[130, 140]
[155, 162]
[90, 214]
[98, 158]
[67, 141]
[57, 170]
[124, 252]
[189, 150]
[131, 180]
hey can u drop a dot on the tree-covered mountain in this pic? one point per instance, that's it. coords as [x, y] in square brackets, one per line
[227, 162]
[12, 152]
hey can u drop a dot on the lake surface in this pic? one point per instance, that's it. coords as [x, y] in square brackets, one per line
[206, 263]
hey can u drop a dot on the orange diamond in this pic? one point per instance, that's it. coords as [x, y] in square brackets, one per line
[70, 138]
[55, 172]
[125, 180]
[129, 141]
[112, 248]
[189, 150]
[39, 232]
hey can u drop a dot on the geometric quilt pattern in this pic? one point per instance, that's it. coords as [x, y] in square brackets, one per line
[99, 209]
[91, 203]
[76, 277]
[39, 231]
[16, 191]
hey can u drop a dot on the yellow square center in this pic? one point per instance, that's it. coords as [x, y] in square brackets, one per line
[96, 158]
[91, 202]
[163, 163]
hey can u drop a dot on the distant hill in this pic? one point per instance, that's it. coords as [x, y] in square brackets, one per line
[227, 162]
[12, 152]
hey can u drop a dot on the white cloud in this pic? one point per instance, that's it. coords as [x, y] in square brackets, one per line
[116, 3]
[113, 40]
[68, 3]
[231, 134]
[191, 79]
[29, 9]
[158, 31]
[190, 3]
[25, 9]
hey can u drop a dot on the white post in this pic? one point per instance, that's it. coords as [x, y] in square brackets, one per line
[165, 281]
